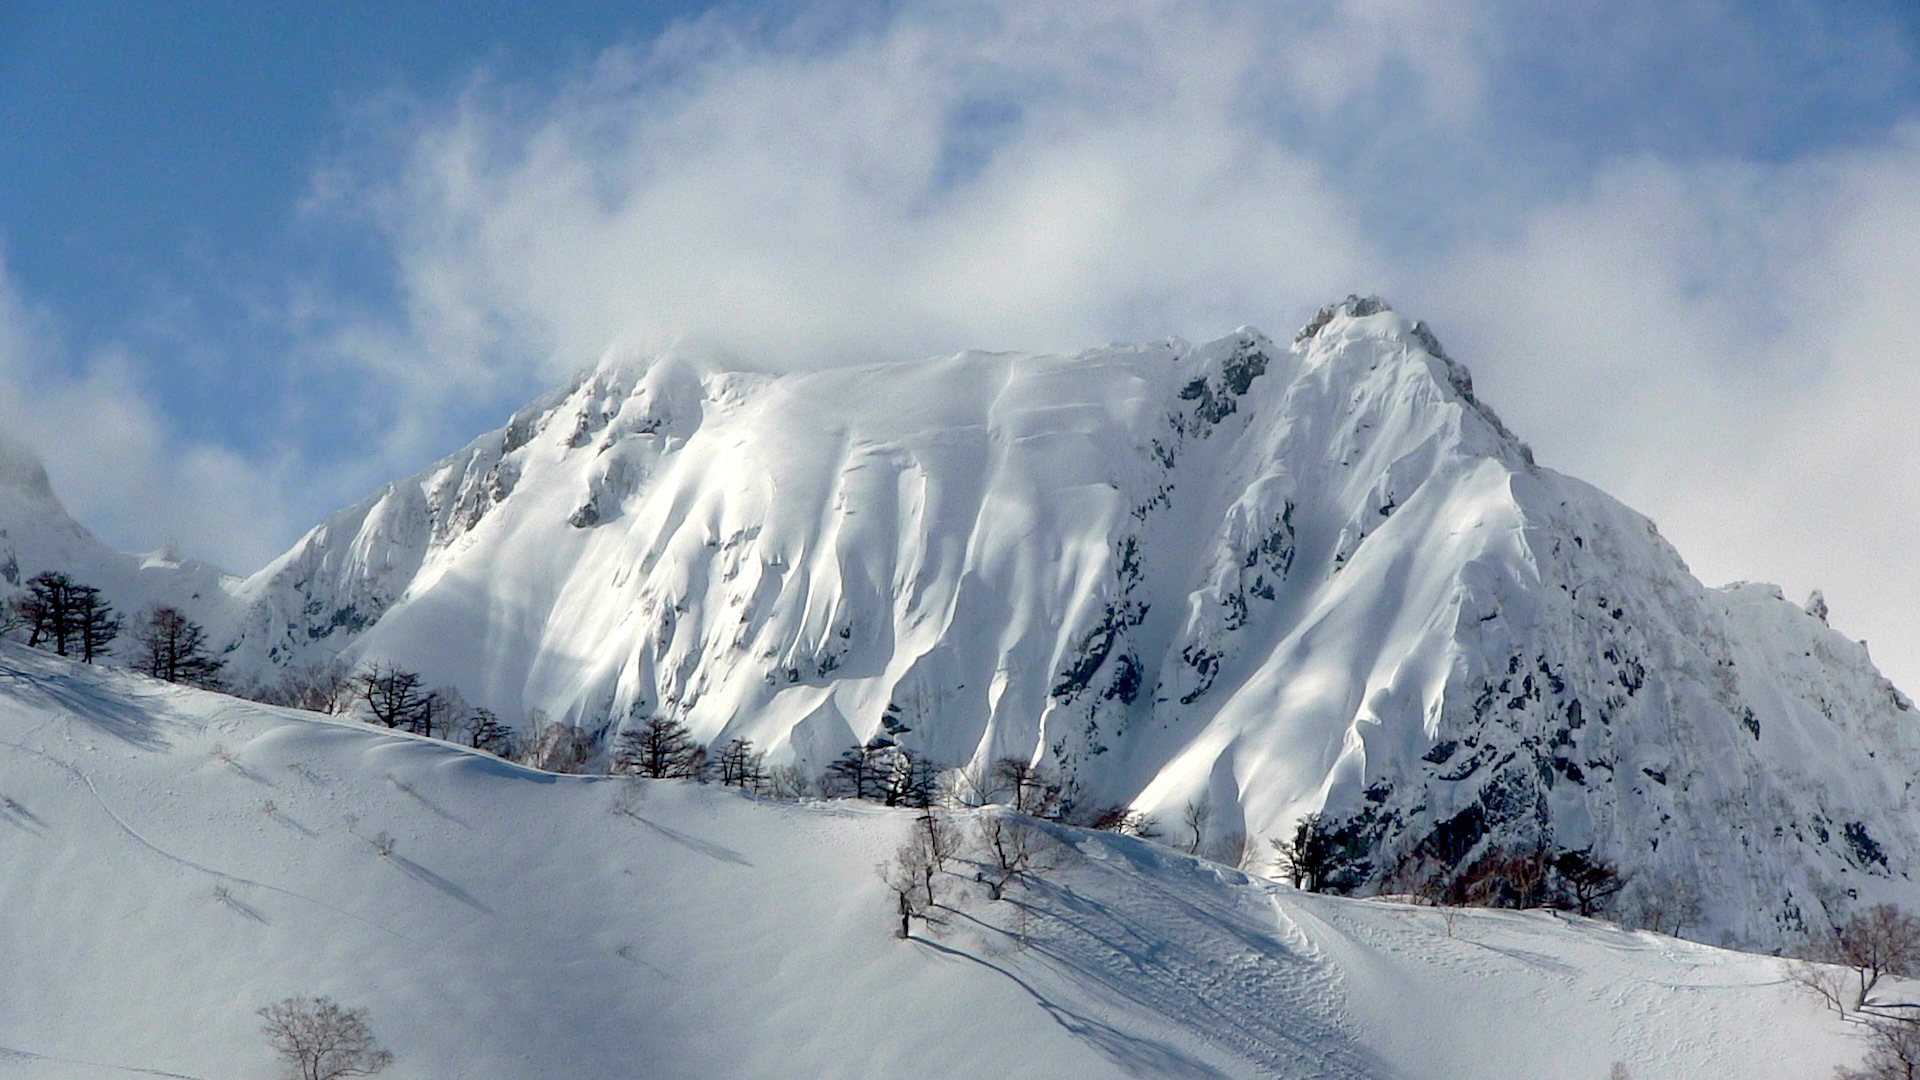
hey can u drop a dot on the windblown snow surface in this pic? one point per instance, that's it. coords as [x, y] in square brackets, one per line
[170, 860]
[1272, 578]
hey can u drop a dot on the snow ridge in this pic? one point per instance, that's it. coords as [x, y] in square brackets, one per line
[1275, 579]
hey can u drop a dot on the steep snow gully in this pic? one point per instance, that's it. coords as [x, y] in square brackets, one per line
[1267, 578]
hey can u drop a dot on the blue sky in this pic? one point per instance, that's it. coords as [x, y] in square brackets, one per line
[266, 257]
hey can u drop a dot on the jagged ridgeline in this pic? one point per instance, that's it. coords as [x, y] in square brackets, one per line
[1268, 578]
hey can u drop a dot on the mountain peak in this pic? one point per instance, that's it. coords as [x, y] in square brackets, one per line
[22, 472]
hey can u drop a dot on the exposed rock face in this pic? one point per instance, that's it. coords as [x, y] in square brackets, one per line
[1274, 578]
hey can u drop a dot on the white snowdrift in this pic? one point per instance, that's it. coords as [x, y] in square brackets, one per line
[170, 860]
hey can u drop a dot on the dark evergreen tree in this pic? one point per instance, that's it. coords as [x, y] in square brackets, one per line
[48, 612]
[96, 621]
[852, 775]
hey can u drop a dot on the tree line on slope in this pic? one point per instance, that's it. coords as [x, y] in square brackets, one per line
[68, 618]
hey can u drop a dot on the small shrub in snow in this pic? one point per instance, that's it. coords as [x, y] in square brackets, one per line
[316, 1039]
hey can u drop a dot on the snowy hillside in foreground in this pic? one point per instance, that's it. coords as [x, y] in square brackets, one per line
[1270, 578]
[170, 860]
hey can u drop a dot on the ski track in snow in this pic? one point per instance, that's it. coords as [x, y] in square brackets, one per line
[1271, 577]
[13, 1056]
[603, 940]
[127, 828]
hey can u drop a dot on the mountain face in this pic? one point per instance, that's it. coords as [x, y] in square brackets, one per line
[1268, 578]
[37, 534]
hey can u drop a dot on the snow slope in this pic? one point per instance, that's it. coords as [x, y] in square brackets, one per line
[1270, 578]
[170, 860]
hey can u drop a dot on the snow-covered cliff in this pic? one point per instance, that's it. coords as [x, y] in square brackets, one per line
[1272, 577]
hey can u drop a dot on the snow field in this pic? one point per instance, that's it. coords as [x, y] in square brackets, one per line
[170, 860]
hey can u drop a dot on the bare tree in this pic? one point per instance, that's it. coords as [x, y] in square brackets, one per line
[65, 615]
[1587, 881]
[554, 747]
[1031, 790]
[659, 748]
[1844, 967]
[915, 864]
[905, 778]
[853, 775]
[174, 648]
[1506, 877]
[1304, 858]
[1195, 817]
[323, 687]
[1015, 847]
[394, 698]
[740, 765]
[483, 730]
[1231, 849]
[1893, 1052]
[1664, 905]
[46, 609]
[318, 1040]
[972, 785]
[790, 781]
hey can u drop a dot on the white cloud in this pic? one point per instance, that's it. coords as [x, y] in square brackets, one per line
[1019, 178]
[114, 459]
[1722, 340]
[1731, 350]
[1717, 341]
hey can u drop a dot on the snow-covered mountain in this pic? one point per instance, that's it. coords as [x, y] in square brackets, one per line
[171, 860]
[1272, 578]
[37, 533]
